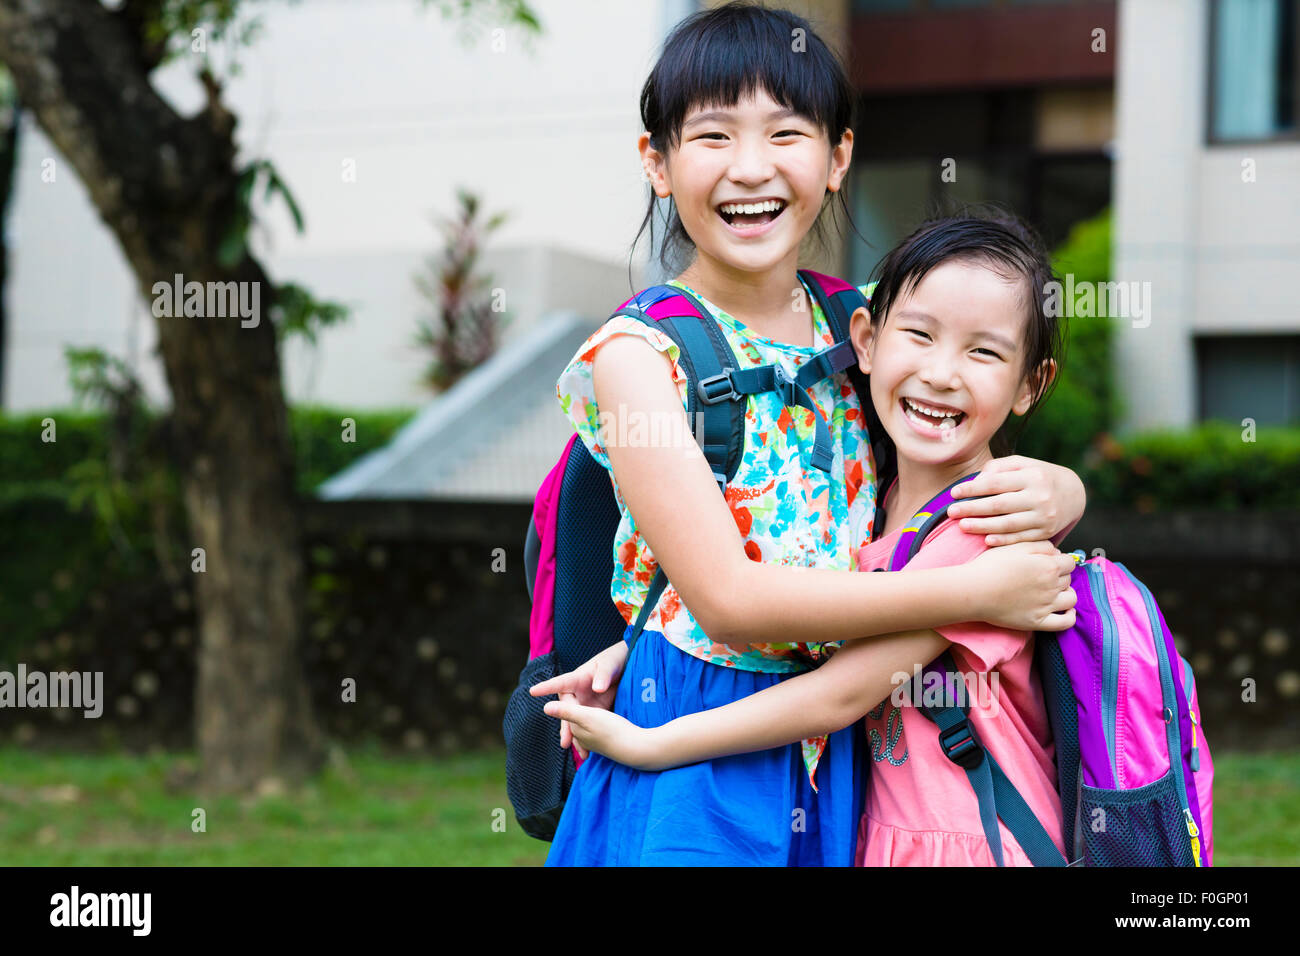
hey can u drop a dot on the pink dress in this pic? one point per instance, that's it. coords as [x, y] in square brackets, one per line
[920, 809]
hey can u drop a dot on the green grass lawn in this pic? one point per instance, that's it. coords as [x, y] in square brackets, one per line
[378, 809]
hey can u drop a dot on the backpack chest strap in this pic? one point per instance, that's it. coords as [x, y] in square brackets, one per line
[731, 384]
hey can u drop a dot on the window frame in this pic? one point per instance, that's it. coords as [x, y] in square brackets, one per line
[1212, 139]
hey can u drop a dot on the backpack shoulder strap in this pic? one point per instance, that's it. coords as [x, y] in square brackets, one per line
[997, 796]
[839, 300]
[922, 523]
[705, 357]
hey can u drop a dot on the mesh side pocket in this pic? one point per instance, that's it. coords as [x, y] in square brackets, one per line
[1063, 716]
[1142, 827]
[538, 770]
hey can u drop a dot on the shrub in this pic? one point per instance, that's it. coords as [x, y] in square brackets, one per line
[28, 465]
[1208, 467]
[75, 529]
[1084, 403]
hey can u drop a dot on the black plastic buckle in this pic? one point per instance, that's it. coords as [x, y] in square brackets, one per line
[784, 385]
[704, 388]
[961, 747]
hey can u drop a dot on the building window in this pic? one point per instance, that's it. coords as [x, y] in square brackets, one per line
[881, 6]
[904, 152]
[924, 6]
[1253, 77]
[1249, 376]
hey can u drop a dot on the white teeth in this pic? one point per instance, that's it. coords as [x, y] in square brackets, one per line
[946, 424]
[771, 205]
[928, 410]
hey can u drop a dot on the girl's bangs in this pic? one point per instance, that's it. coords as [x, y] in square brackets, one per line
[718, 70]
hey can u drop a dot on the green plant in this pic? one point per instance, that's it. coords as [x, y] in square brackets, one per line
[465, 325]
[1212, 466]
[132, 492]
[320, 451]
[1084, 404]
[77, 515]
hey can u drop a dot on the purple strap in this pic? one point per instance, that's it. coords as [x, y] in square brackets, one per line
[924, 520]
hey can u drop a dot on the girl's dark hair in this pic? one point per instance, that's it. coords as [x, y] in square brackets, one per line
[991, 236]
[720, 56]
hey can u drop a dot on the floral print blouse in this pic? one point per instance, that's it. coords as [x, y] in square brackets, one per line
[787, 511]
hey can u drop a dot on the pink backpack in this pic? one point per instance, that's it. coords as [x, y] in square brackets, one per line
[1133, 766]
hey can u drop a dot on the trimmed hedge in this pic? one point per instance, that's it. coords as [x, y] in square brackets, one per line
[29, 465]
[1214, 466]
[317, 439]
[58, 557]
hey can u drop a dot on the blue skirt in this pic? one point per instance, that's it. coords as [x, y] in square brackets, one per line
[754, 809]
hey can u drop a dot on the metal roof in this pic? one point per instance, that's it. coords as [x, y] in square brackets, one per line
[492, 436]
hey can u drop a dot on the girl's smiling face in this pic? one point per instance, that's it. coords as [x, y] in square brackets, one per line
[753, 151]
[947, 362]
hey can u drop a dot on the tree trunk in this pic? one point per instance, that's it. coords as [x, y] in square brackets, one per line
[165, 185]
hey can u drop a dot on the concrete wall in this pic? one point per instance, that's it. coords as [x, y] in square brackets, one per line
[418, 608]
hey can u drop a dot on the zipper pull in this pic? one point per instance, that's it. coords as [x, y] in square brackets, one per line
[1196, 754]
[1194, 834]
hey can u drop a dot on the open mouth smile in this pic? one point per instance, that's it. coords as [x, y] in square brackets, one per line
[929, 417]
[751, 219]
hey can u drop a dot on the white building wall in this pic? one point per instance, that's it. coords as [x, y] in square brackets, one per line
[544, 130]
[1222, 255]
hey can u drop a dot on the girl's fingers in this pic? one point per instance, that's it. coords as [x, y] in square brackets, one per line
[1065, 600]
[560, 684]
[1007, 501]
[997, 540]
[989, 483]
[998, 524]
[1061, 621]
[566, 732]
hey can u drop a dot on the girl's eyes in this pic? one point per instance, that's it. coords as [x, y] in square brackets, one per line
[784, 132]
[926, 336]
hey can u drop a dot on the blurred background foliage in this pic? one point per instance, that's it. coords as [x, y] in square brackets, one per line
[1084, 403]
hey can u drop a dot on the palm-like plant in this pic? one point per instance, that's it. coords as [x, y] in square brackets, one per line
[467, 318]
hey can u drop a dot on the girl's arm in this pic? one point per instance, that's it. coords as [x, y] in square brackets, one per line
[858, 677]
[667, 485]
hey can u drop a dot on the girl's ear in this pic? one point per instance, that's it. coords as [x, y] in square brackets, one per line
[1034, 384]
[653, 167]
[841, 160]
[861, 333]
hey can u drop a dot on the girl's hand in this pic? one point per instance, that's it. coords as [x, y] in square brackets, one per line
[606, 733]
[1032, 501]
[594, 684]
[1026, 586]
